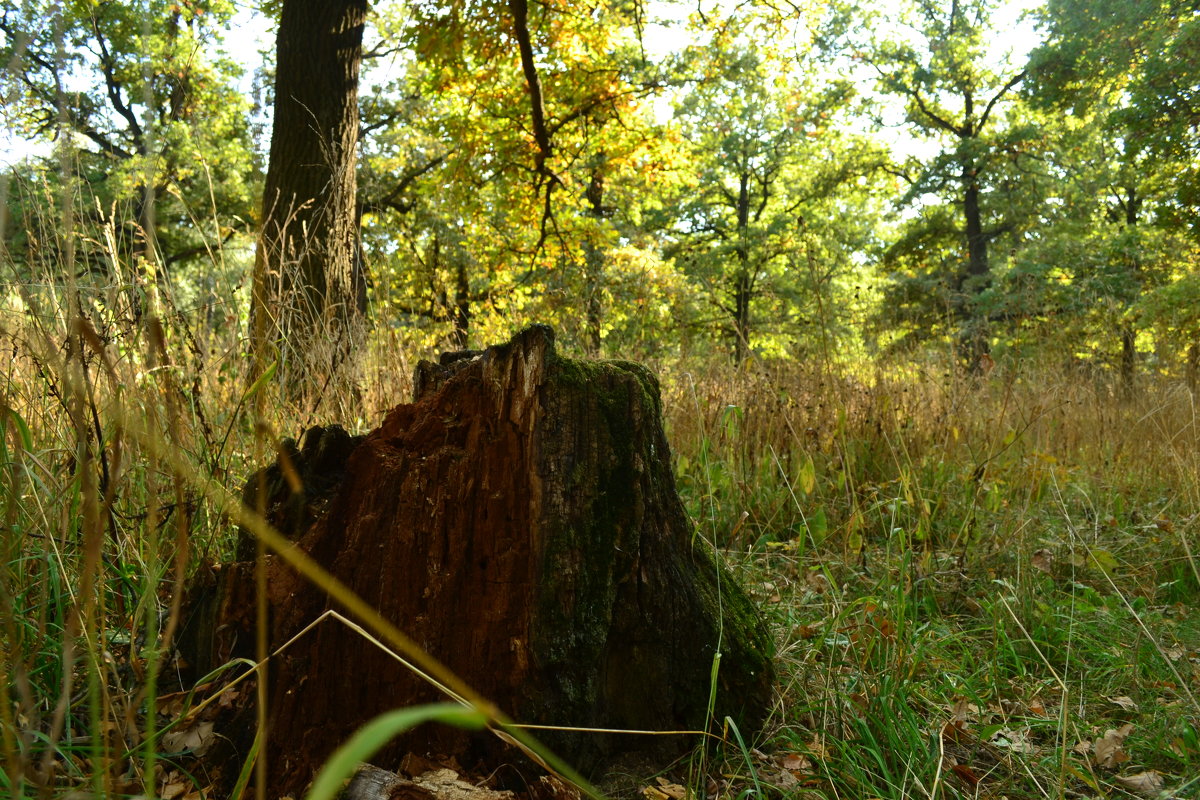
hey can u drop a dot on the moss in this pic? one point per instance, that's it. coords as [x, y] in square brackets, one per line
[621, 490]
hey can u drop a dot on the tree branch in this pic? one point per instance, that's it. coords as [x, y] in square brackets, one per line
[1013, 81]
[391, 199]
[520, 12]
[113, 87]
[938, 121]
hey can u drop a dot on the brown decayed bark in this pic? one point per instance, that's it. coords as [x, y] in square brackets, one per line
[519, 520]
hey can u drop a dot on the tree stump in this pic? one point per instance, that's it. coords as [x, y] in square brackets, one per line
[519, 520]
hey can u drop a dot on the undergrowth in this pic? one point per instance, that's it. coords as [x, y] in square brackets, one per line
[979, 585]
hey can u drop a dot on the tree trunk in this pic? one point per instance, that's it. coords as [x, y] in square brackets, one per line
[977, 241]
[1128, 358]
[519, 519]
[974, 339]
[593, 257]
[742, 284]
[1131, 203]
[462, 303]
[309, 291]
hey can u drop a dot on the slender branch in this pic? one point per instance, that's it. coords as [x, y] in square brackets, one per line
[938, 121]
[1013, 81]
[899, 173]
[113, 87]
[392, 198]
[520, 12]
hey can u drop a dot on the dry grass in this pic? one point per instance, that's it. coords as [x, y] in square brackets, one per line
[972, 580]
[1003, 555]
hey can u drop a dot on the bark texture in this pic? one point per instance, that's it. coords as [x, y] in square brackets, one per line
[520, 521]
[308, 282]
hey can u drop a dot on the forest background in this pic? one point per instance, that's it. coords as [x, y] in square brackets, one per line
[925, 307]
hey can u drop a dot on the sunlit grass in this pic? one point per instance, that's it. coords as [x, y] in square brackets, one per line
[971, 579]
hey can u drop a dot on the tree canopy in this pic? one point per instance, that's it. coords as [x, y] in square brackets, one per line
[762, 179]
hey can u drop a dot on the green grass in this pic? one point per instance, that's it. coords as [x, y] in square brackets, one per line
[970, 581]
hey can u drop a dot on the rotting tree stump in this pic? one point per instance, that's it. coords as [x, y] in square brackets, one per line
[519, 520]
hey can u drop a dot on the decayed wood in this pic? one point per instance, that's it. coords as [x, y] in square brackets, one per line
[520, 521]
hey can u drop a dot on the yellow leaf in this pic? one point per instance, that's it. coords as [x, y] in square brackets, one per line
[671, 790]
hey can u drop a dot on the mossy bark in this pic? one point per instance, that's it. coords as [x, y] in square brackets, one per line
[519, 520]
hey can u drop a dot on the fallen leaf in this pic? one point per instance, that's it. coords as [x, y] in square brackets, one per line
[783, 779]
[651, 793]
[1037, 708]
[173, 790]
[1082, 748]
[964, 711]
[229, 697]
[196, 738]
[1109, 751]
[1147, 784]
[795, 761]
[672, 790]
[1043, 560]
[1014, 740]
[966, 774]
[1104, 560]
[817, 582]
[1125, 702]
[954, 731]
[808, 631]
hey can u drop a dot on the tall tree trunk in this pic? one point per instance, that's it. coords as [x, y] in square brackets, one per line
[974, 341]
[309, 291]
[1131, 203]
[742, 283]
[1128, 358]
[462, 304]
[977, 241]
[593, 257]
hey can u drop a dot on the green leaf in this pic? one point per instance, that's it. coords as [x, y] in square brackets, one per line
[854, 542]
[818, 525]
[262, 381]
[378, 732]
[247, 770]
[731, 418]
[1105, 560]
[22, 427]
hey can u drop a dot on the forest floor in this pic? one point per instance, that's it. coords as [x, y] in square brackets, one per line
[979, 586]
